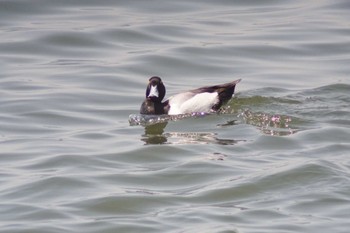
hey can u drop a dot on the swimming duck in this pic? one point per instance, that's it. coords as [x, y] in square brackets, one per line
[204, 99]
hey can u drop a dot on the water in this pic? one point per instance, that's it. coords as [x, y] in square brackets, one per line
[274, 160]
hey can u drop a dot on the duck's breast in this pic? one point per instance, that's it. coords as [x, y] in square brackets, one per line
[189, 102]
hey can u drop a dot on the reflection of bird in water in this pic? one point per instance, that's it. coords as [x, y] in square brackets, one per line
[154, 134]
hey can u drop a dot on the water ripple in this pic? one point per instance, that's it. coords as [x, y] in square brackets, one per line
[77, 157]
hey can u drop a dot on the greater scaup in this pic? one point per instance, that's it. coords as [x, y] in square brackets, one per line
[204, 99]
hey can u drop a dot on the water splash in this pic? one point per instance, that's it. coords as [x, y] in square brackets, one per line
[145, 120]
[271, 124]
[269, 114]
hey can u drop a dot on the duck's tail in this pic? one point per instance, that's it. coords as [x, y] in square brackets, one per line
[225, 92]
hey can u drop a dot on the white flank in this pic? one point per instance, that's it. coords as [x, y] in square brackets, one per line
[153, 92]
[189, 103]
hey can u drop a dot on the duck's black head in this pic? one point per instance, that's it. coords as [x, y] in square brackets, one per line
[155, 90]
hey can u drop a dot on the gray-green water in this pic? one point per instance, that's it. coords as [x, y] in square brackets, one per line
[276, 159]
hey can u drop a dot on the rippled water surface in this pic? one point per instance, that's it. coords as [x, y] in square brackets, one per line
[77, 157]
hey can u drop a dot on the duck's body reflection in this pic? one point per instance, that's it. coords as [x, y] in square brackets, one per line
[154, 134]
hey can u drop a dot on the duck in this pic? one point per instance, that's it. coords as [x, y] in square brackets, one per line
[206, 99]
